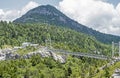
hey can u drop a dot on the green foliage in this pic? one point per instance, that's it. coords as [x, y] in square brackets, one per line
[108, 71]
[38, 67]
[62, 38]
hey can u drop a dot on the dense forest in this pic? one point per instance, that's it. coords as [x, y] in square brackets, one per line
[61, 38]
[38, 67]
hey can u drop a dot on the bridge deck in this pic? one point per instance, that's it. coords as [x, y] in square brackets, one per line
[81, 54]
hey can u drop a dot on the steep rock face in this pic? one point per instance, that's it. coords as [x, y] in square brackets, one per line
[49, 14]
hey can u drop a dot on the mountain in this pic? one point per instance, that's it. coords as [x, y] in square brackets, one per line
[49, 14]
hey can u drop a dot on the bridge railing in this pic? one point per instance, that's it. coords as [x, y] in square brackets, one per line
[81, 54]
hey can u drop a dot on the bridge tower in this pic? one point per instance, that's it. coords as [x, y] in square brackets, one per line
[48, 39]
[119, 48]
[48, 43]
[114, 45]
[112, 49]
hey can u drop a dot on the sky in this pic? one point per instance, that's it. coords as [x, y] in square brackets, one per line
[17, 4]
[101, 15]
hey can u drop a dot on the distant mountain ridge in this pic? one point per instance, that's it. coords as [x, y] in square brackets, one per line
[49, 14]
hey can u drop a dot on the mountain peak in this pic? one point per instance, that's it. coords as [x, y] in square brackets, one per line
[44, 13]
[49, 14]
[44, 7]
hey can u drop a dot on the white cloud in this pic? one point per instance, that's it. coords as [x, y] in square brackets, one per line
[29, 6]
[96, 14]
[10, 15]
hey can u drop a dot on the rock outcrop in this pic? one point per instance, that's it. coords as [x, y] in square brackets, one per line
[43, 52]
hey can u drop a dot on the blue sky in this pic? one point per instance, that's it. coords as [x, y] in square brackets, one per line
[17, 4]
[115, 2]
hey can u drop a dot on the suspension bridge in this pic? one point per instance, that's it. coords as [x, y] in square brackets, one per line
[81, 54]
[89, 55]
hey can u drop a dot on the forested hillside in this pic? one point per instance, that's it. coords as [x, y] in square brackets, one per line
[61, 38]
[38, 67]
[49, 14]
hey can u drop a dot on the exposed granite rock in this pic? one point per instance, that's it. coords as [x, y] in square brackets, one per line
[60, 58]
[43, 52]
